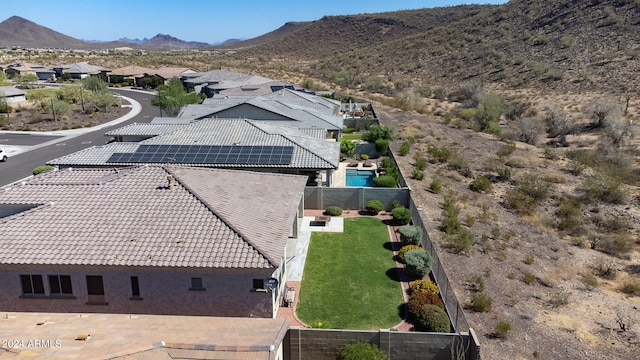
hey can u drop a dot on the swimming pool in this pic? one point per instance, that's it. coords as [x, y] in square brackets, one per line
[363, 178]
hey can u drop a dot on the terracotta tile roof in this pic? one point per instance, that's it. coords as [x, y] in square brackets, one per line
[132, 70]
[214, 218]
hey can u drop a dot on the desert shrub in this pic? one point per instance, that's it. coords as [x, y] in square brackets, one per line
[528, 278]
[559, 298]
[480, 184]
[432, 318]
[569, 214]
[605, 268]
[410, 235]
[403, 250]
[441, 154]
[436, 185]
[504, 172]
[535, 187]
[361, 351]
[461, 242]
[506, 150]
[333, 211]
[481, 302]
[630, 287]
[374, 206]
[382, 146]
[420, 163]
[417, 174]
[424, 286]
[419, 299]
[521, 203]
[385, 181]
[418, 262]
[450, 222]
[461, 165]
[405, 148]
[41, 169]
[401, 215]
[618, 245]
[502, 330]
[604, 188]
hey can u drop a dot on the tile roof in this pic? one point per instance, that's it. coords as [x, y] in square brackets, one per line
[81, 68]
[11, 91]
[145, 129]
[214, 218]
[308, 152]
[223, 79]
[132, 70]
[300, 108]
[170, 72]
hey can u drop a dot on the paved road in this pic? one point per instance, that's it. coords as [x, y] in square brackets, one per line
[29, 151]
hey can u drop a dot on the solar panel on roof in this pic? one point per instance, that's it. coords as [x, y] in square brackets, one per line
[207, 154]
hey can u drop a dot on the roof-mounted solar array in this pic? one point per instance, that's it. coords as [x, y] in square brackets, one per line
[207, 154]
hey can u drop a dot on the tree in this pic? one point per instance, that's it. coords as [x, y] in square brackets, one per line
[94, 84]
[59, 108]
[173, 97]
[559, 124]
[378, 132]
[24, 79]
[347, 147]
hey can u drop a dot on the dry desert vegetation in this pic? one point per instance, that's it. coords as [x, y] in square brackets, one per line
[539, 239]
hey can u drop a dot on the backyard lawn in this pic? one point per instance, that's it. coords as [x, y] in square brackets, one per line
[350, 279]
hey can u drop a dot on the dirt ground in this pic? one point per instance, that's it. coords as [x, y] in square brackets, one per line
[554, 316]
[26, 117]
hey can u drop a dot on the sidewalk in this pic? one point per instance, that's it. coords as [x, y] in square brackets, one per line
[64, 135]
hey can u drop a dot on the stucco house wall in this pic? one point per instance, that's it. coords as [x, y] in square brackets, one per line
[163, 291]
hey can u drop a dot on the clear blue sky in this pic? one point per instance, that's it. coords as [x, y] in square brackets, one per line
[191, 20]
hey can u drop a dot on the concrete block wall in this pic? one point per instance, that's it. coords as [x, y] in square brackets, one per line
[323, 344]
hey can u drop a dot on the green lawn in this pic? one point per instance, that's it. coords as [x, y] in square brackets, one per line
[350, 280]
[353, 136]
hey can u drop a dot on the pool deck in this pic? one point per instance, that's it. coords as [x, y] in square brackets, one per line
[340, 175]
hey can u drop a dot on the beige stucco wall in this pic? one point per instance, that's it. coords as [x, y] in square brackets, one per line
[164, 291]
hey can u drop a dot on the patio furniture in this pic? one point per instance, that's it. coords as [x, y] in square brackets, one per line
[352, 163]
[367, 163]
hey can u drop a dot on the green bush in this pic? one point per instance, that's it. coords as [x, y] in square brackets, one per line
[436, 185]
[41, 169]
[410, 235]
[333, 211]
[431, 318]
[424, 286]
[418, 262]
[604, 188]
[441, 154]
[419, 299]
[382, 146]
[481, 302]
[461, 242]
[420, 163]
[502, 329]
[364, 157]
[378, 132]
[506, 149]
[417, 174]
[385, 181]
[403, 250]
[374, 206]
[361, 351]
[535, 187]
[521, 203]
[405, 148]
[401, 215]
[480, 184]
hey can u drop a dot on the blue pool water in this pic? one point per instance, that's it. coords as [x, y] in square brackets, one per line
[360, 177]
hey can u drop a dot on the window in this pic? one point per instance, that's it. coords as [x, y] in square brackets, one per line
[135, 288]
[196, 284]
[60, 284]
[32, 284]
[258, 283]
[95, 290]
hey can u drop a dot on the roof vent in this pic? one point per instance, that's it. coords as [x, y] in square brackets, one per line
[171, 183]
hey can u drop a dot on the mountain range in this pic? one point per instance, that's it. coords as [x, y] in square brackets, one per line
[19, 32]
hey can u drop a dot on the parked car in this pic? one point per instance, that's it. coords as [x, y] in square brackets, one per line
[3, 155]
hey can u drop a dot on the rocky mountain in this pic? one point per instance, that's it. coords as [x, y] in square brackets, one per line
[20, 32]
